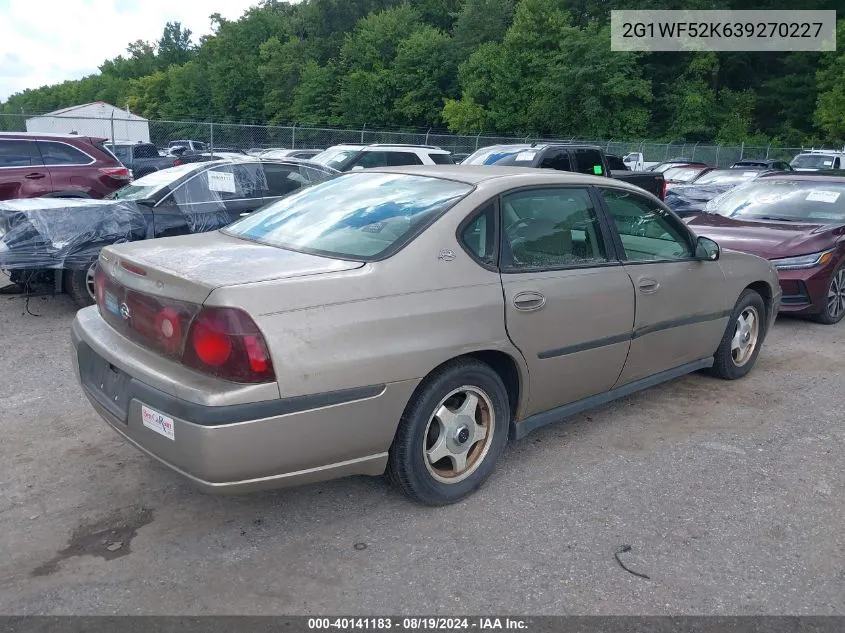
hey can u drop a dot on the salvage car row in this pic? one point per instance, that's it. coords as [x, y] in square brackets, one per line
[293, 322]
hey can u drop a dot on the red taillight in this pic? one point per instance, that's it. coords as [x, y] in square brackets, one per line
[223, 342]
[227, 343]
[177, 162]
[663, 191]
[118, 173]
[210, 341]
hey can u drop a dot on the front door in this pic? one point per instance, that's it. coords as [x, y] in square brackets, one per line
[22, 172]
[568, 307]
[681, 316]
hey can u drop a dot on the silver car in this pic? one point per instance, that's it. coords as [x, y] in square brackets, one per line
[408, 320]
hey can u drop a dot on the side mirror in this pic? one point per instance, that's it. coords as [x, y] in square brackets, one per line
[706, 249]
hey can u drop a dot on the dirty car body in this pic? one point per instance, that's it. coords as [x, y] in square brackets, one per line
[400, 319]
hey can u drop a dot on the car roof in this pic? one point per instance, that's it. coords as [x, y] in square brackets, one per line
[389, 147]
[537, 146]
[39, 135]
[505, 176]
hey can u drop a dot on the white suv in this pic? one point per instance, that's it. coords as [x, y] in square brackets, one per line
[818, 159]
[347, 157]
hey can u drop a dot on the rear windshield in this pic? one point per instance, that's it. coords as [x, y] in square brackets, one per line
[814, 161]
[726, 177]
[519, 156]
[152, 183]
[359, 215]
[789, 200]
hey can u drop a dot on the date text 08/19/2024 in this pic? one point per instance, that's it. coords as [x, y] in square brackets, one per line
[417, 624]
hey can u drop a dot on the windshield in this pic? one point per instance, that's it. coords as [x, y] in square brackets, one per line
[335, 157]
[726, 177]
[519, 156]
[813, 161]
[152, 183]
[356, 216]
[791, 200]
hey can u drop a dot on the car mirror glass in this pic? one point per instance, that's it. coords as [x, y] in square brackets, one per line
[706, 249]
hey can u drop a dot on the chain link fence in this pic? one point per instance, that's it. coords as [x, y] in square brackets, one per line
[222, 136]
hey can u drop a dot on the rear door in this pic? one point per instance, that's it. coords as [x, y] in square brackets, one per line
[22, 172]
[681, 314]
[569, 305]
[70, 169]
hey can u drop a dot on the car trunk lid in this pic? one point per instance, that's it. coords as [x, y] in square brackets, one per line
[189, 267]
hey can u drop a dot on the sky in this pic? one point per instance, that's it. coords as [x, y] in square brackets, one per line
[49, 41]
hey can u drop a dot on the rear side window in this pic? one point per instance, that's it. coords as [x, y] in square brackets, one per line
[62, 154]
[441, 159]
[18, 154]
[589, 161]
[479, 236]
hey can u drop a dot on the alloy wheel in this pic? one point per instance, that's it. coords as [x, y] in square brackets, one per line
[459, 434]
[745, 336]
[89, 281]
[836, 295]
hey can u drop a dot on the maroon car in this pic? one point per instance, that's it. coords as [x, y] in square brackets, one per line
[57, 165]
[797, 222]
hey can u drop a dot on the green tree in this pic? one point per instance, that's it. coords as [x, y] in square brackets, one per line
[174, 47]
[422, 74]
[830, 79]
[366, 88]
[314, 96]
[481, 21]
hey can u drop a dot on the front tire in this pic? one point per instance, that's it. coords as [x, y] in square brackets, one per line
[834, 307]
[79, 284]
[451, 434]
[743, 337]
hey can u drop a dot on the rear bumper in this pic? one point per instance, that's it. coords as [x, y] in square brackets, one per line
[247, 446]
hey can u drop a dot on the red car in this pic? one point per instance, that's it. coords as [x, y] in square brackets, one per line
[797, 222]
[57, 165]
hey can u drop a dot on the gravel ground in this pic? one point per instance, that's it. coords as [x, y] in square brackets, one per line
[729, 494]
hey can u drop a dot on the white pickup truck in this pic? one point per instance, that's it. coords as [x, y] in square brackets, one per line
[635, 161]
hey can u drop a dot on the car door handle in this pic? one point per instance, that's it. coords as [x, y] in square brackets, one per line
[35, 176]
[648, 285]
[527, 301]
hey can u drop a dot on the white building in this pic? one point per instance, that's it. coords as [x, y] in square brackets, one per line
[98, 119]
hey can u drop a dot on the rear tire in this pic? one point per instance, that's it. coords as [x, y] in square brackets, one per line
[834, 306]
[451, 434]
[79, 284]
[737, 353]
